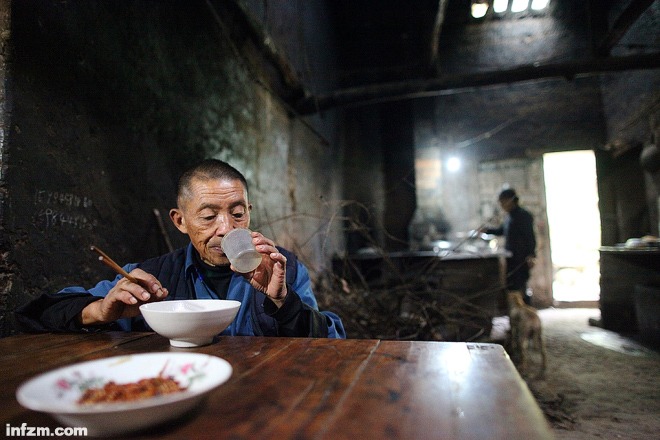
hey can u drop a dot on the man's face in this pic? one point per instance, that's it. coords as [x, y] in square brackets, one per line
[507, 204]
[214, 208]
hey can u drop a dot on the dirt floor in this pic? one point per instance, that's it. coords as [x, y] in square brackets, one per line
[598, 384]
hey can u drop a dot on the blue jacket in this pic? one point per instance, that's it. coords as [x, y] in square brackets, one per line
[179, 275]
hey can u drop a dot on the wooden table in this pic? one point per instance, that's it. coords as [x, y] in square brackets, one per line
[313, 388]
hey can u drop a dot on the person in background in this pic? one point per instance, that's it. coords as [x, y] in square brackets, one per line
[276, 298]
[518, 231]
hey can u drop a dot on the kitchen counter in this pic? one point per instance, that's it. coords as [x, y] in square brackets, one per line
[466, 286]
[622, 272]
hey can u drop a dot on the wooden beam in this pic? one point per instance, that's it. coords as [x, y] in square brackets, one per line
[435, 35]
[627, 18]
[447, 84]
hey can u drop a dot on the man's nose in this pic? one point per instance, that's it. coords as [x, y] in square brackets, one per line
[223, 224]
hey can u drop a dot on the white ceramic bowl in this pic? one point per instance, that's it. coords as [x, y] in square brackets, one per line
[190, 323]
[57, 392]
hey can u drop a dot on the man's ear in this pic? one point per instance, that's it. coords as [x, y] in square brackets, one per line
[179, 221]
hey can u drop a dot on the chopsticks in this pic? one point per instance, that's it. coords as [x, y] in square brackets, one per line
[103, 258]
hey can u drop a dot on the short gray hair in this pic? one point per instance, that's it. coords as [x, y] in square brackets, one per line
[208, 169]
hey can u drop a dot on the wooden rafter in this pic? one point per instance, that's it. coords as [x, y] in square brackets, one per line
[445, 84]
[627, 18]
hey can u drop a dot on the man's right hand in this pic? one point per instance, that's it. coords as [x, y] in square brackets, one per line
[124, 299]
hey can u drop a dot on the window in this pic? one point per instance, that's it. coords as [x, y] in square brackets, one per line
[500, 8]
[539, 5]
[519, 5]
[479, 9]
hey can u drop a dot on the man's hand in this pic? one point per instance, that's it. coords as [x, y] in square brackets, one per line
[531, 261]
[124, 299]
[270, 277]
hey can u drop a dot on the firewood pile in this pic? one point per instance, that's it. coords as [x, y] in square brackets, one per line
[413, 308]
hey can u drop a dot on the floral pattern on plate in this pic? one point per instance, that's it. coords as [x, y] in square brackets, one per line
[77, 382]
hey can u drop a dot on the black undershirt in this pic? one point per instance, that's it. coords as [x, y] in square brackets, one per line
[217, 277]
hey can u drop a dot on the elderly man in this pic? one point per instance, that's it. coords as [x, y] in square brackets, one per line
[276, 298]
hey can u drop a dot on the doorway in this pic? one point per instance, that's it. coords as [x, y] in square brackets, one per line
[574, 224]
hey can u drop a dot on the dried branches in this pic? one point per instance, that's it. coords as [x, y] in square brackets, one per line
[432, 300]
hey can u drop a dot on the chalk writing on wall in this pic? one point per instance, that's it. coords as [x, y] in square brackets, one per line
[56, 210]
[44, 197]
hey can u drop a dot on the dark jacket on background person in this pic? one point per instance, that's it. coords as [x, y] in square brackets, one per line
[518, 231]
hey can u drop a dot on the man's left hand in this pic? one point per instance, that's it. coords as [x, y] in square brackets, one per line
[531, 261]
[270, 277]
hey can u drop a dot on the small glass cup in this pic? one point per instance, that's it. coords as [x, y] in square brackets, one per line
[237, 246]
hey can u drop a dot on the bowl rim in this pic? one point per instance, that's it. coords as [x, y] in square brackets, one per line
[153, 307]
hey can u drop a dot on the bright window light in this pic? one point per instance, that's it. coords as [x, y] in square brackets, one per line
[538, 5]
[519, 5]
[453, 164]
[479, 9]
[500, 6]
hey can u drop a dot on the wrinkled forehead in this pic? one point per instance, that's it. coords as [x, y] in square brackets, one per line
[201, 186]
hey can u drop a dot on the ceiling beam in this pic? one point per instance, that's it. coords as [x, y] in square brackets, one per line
[447, 84]
[627, 18]
[435, 34]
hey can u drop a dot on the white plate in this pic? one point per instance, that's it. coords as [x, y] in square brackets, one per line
[57, 392]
